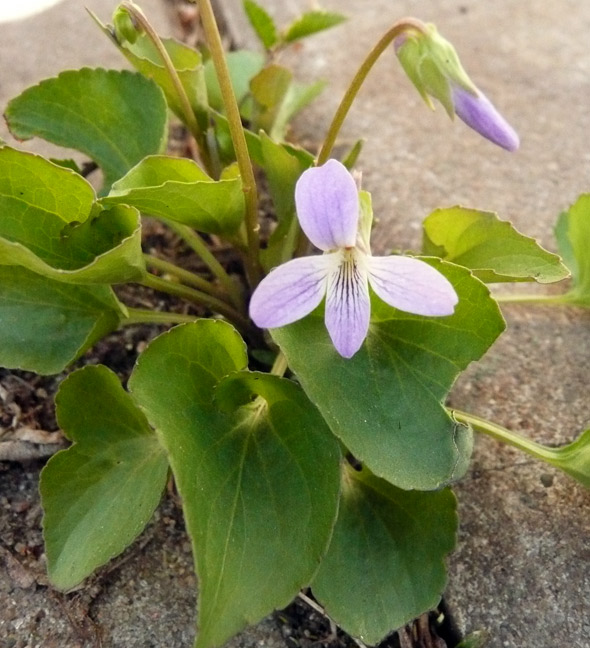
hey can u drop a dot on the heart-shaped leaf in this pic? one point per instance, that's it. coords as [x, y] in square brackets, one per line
[385, 402]
[257, 468]
[187, 62]
[49, 224]
[115, 117]
[385, 565]
[45, 325]
[99, 494]
[177, 189]
[492, 248]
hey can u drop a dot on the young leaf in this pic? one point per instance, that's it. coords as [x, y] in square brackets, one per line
[99, 494]
[573, 233]
[385, 402]
[187, 62]
[45, 325]
[310, 23]
[297, 97]
[51, 226]
[177, 189]
[492, 248]
[385, 564]
[256, 466]
[282, 170]
[115, 117]
[262, 23]
[268, 89]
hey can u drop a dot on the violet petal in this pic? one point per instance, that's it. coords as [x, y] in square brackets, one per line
[411, 285]
[290, 291]
[327, 204]
[478, 112]
[348, 307]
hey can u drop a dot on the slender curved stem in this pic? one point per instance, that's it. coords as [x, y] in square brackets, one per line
[187, 110]
[141, 316]
[253, 269]
[558, 300]
[280, 365]
[197, 297]
[397, 29]
[196, 243]
[185, 276]
[506, 436]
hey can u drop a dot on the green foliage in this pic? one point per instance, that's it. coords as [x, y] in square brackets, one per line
[256, 466]
[115, 117]
[310, 23]
[99, 494]
[187, 62]
[573, 233]
[51, 225]
[262, 24]
[45, 324]
[385, 402]
[179, 190]
[492, 248]
[385, 564]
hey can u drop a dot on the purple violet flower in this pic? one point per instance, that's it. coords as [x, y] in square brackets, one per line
[478, 112]
[327, 204]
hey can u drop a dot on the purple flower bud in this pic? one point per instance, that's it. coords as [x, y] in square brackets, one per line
[478, 112]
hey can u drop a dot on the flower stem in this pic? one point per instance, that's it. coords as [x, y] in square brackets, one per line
[196, 243]
[503, 434]
[253, 269]
[141, 316]
[280, 365]
[397, 29]
[183, 275]
[197, 297]
[187, 110]
[556, 300]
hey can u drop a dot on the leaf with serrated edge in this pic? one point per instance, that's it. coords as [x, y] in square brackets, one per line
[385, 402]
[99, 494]
[262, 23]
[312, 22]
[385, 564]
[45, 325]
[179, 190]
[259, 478]
[492, 248]
[50, 225]
[115, 117]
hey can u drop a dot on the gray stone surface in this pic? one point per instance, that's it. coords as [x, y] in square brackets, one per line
[522, 568]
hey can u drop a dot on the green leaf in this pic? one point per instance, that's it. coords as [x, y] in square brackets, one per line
[385, 565]
[99, 494]
[257, 469]
[492, 248]
[115, 117]
[187, 62]
[45, 325]
[297, 97]
[49, 224]
[262, 23]
[312, 22]
[573, 233]
[177, 189]
[282, 170]
[243, 67]
[385, 402]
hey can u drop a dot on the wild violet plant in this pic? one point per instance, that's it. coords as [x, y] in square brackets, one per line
[300, 411]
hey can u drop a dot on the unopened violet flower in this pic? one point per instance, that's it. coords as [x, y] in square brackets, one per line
[433, 66]
[327, 203]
